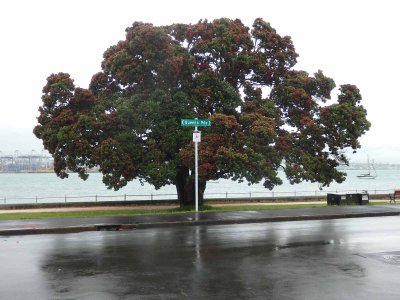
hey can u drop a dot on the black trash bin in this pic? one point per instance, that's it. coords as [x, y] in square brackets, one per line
[336, 199]
[357, 199]
[348, 199]
[353, 199]
[364, 199]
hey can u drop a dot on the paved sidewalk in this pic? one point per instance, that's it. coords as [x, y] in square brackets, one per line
[72, 225]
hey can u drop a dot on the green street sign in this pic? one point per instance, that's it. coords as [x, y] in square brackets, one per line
[195, 122]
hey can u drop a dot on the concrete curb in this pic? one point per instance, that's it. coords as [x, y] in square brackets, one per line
[117, 227]
[53, 230]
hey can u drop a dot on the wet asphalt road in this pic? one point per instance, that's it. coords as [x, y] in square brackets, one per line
[326, 259]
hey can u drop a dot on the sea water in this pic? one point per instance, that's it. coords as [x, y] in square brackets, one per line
[47, 187]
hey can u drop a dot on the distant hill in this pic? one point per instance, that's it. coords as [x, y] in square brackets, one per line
[364, 166]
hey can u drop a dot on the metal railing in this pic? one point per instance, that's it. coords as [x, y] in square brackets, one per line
[173, 196]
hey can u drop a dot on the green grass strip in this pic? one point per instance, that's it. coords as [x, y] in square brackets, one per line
[139, 212]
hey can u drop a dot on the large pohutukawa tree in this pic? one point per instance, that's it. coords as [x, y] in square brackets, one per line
[265, 114]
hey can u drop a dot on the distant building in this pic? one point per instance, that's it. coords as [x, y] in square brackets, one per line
[32, 162]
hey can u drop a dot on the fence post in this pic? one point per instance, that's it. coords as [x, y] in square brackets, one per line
[226, 195]
[151, 197]
[4, 200]
[125, 197]
[96, 198]
[250, 195]
[65, 198]
[36, 199]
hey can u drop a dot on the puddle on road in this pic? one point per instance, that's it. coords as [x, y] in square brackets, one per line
[353, 270]
[392, 258]
[307, 244]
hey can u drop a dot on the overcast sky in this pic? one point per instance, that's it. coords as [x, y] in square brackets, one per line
[352, 41]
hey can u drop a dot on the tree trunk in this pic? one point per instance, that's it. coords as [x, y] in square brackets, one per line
[185, 188]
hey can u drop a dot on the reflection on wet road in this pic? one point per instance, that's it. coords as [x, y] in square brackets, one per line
[329, 259]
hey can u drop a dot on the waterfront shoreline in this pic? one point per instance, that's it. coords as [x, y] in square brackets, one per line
[35, 188]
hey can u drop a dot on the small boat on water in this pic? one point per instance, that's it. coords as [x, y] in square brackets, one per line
[366, 176]
[369, 175]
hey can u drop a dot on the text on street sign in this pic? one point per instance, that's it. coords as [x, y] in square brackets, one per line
[195, 122]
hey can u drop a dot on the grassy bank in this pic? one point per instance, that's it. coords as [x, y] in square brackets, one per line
[129, 211]
[138, 212]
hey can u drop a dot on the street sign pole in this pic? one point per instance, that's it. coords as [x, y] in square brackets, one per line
[196, 139]
[196, 189]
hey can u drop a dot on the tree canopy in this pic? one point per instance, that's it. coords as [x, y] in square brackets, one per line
[265, 114]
